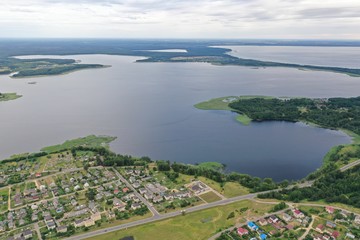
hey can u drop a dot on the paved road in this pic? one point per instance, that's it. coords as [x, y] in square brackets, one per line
[152, 209]
[350, 165]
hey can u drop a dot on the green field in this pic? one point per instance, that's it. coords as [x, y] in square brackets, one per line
[197, 225]
[210, 197]
[89, 141]
[242, 118]
[4, 197]
[8, 96]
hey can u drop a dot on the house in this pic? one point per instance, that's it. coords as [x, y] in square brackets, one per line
[61, 229]
[37, 175]
[157, 199]
[329, 209]
[330, 224]
[27, 234]
[263, 222]
[298, 214]
[89, 222]
[318, 237]
[50, 224]
[357, 219]
[135, 206]
[96, 216]
[350, 235]
[287, 217]
[273, 219]
[263, 236]
[79, 223]
[168, 197]
[320, 228]
[142, 191]
[289, 227]
[136, 185]
[252, 226]
[125, 190]
[326, 237]
[335, 234]
[242, 231]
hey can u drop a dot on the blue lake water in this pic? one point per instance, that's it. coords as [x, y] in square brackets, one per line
[149, 107]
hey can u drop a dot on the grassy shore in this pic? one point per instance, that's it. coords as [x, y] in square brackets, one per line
[89, 141]
[198, 225]
[8, 96]
[222, 103]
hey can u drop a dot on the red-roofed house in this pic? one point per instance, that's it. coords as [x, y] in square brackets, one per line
[320, 228]
[116, 191]
[242, 231]
[125, 190]
[37, 174]
[335, 234]
[298, 214]
[329, 209]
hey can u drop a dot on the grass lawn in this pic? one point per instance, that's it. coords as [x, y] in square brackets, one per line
[4, 197]
[8, 96]
[216, 103]
[242, 118]
[210, 197]
[233, 189]
[197, 225]
[230, 189]
[89, 141]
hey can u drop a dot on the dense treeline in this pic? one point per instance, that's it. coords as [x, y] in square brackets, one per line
[54, 70]
[331, 113]
[335, 186]
[255, 184]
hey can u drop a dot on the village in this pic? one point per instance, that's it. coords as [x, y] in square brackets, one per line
[66, 193]
[63, 195]
[305, 223]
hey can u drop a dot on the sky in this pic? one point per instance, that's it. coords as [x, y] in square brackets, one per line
[233, 19]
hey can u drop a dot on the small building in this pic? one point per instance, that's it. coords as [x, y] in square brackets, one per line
[135, 206]
[298, 213]
[335, 234]
[273, 219]
[263, 222]
[79, 223]
[242, 231]
[252, 226]
[329, 209]
[357, 219]
[263, 236]
[61, 229]
[287, 217]
[320, 228]
[350, 235]
[96, 216]
[89, 222]
[27, 234]
[330, 224]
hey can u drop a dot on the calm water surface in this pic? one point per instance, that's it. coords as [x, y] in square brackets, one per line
[149, 107]
[321, 56]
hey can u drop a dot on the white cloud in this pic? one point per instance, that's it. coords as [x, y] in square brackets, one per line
[181, 18]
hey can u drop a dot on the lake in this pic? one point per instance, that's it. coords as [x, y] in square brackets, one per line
[348, 57]
[149, 107]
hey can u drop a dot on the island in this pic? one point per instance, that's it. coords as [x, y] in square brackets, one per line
[20, 68]
[9, 96]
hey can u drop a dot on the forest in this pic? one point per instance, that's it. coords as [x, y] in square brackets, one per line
[332, 113]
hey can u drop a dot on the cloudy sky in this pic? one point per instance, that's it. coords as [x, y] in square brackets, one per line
[290, 19]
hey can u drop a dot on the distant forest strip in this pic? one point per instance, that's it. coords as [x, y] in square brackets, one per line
[40, 67]
[197, 51]
[332, 113]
